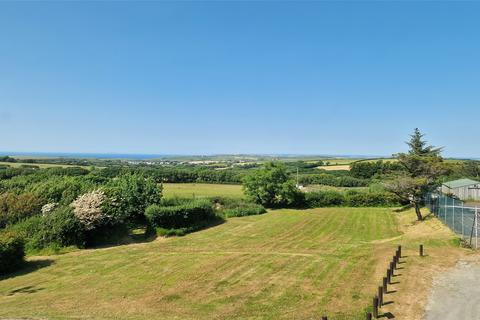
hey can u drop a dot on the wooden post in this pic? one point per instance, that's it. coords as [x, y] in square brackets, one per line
[380, 296]
[399, 251]
[421, 250]
[389, 276]
[369, 316]
[385, 284]
[375, 307]
[392, 269]
[394, 260]
[324, 318]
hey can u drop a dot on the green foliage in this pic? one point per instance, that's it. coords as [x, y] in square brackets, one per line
[61, 189]
[11, 252]
[367, 170]
[14, 208]
[333, 180]
[59, 228]
[240, 208]
[129, 195]
[180, 216]
[271, 186]
[320, 199]
[423, 168]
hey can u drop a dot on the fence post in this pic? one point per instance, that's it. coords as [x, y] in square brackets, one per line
[385, 284]
[445, 210]
[380, 296]
[421, 250]
[369, 316]
[375, 307]
[476, 227]
[463, 229]
[453, 216]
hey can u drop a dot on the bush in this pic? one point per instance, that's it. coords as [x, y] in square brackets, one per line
[324, 199]
[233, 207]
[333, 180]
[271, 186]
[12, 252]
[243, 210]
[129, 195]
[371, 199]
[180, 216]
[350, 199]
[60, 228]
[88, 209]
[14, 208]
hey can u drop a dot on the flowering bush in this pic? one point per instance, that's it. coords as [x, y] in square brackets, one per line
[88, 209]
[49, 207]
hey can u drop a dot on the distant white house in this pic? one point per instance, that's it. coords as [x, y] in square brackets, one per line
[464, 189]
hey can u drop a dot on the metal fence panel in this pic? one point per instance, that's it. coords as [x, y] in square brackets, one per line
[458, 216]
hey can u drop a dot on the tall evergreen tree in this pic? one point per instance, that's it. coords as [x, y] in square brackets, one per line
[423, 166]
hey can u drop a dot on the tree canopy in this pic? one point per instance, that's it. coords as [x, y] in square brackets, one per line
[423, 166]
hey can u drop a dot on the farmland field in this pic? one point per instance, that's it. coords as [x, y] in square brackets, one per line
[40, 165]
[190, 190]
[284, 264]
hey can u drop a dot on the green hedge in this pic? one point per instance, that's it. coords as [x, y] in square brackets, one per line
[244, 209]
[12, 252]
[180, 216]
[58, 229]
[350, 199]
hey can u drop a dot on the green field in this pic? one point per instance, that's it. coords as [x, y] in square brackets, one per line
[190, 190]
[40, 165]
[282, 265]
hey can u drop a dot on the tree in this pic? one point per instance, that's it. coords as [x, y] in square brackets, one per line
[271, 186]
[129, 195]
[423, 166]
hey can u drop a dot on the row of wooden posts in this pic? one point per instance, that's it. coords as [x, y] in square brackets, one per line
[383, 289]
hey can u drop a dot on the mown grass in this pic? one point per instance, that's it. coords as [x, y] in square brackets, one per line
[201, 190]
[284, 264]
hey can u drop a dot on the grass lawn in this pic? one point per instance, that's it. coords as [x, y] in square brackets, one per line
[190, 190]
[281, 265]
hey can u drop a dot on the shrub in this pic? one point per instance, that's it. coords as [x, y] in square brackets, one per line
[88, 208]
[129, 195]
[234, 207]
[271, 186]
[243, 210]
[14, 208]
[371, 199]
[12, 252]
[351, 199]
[324, 199]
[180, 216]
[60, 228]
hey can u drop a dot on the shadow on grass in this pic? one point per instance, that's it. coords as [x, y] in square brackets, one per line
[28, 267]
[147, 234]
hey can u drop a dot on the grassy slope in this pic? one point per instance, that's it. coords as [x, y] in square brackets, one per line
[284, 264]
[201, 190]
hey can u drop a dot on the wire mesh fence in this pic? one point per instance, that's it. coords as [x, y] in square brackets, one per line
[457, 215]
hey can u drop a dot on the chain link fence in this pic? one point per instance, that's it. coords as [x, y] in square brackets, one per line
[457, 215]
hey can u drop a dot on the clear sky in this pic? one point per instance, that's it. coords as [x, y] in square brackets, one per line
[239, 77]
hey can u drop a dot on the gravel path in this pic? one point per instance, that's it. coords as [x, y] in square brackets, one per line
[456, 294]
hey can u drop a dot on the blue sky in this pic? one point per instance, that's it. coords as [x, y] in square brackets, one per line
[239, 77]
